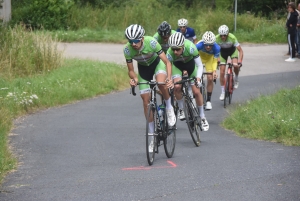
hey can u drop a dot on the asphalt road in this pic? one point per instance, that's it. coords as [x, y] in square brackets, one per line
[95, 149]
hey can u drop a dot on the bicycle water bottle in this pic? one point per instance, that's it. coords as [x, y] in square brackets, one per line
[161, 111]
[190, 91]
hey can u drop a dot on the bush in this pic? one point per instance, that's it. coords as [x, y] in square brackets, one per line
[48, 14]
[24, 53]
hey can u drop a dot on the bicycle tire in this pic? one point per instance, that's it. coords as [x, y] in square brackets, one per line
[226, 98]
[203, 92]
[192, 120]
[230, 88]
[169, 139]
[150, 155]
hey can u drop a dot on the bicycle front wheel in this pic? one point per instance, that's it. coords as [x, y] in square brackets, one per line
[170, 139]
[151, 137]
[227, 93]
[230, 89]
[193, 121]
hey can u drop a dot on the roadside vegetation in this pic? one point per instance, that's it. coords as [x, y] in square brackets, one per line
[273, 118]
[87, 23]
[34, 76]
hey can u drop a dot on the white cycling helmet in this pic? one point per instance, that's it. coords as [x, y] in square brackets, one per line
[134, 31]
[182, 22]
[176, 40]
[223, 30]
[209, 37]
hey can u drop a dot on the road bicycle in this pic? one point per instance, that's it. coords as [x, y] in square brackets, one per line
[162, 131]
[203, 87]
[191, 112]
[229, 84]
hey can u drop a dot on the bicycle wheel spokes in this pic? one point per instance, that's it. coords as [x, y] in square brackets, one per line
[169, 140]
[151, 138]
[192, 121]
[226, 98]
[203, 92]
[231, 84]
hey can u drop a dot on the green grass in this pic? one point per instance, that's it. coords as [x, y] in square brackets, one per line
[273, 118]
[87, 24]
[74, 80]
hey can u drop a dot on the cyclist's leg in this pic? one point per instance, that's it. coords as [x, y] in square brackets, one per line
[161, 76]
[145, 95]
[177, 76]
[234, 59]
[210, 86]
[199, 102]
[222, 76]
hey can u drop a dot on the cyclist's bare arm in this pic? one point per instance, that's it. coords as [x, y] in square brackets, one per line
[131, 74]
[241, 54]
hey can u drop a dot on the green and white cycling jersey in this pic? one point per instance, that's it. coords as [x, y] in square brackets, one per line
[189, 52]
[229, 45]
[146, 55]
[160, 40]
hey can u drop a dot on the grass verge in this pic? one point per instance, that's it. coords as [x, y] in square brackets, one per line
[75, 80]
[273, 118]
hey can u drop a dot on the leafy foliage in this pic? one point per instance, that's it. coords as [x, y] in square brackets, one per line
[48, 14]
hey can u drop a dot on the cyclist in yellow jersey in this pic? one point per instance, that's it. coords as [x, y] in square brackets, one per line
[209, 52]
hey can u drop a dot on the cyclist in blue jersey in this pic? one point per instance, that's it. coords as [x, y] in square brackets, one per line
[188, 32]
[209, 52]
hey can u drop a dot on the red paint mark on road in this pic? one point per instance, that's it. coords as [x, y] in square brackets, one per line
[172, 165]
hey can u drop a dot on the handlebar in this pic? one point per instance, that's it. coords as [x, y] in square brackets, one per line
[151, 83]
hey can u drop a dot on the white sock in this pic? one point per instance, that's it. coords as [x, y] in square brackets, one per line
[201, 111]
[180, 103]
[151, 127]
[168, 104]
[236, 78]
[223, 89]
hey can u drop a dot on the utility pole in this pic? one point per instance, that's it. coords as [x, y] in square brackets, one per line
[5, 10]
[235, 15]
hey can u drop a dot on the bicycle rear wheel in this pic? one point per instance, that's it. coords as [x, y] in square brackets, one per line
[151, 137]
[226, 98]
[203, 92]
[193, 121]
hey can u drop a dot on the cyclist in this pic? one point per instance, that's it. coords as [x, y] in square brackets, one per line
[209, 52]
[151, 61]
[162, 35]
[229, 47]
[188, 32]
[184, 55]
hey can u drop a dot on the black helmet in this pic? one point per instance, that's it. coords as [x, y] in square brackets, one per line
[164, 29]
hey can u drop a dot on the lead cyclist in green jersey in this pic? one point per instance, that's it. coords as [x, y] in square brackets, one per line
[229, 47]
[151, 61]
[185, 57]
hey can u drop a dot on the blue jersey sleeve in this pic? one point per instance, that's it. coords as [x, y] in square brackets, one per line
[192, 33]
[216, 50]
[200, 46]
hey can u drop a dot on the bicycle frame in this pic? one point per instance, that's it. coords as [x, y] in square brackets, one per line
[162, 132]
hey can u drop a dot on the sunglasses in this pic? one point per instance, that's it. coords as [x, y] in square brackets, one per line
[223, 35]
[208, 45]
[182, 27]
[176, 49]
[134, 41]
